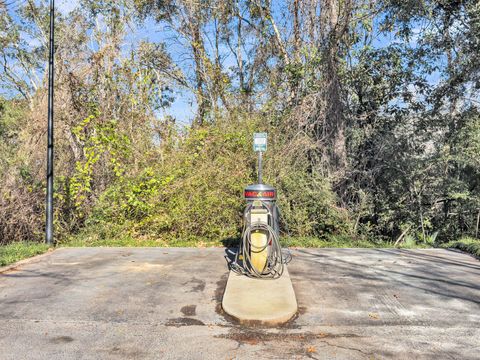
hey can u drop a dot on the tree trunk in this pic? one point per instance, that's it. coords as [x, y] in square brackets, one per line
[334, 123]
[197, 48]
[334, 119]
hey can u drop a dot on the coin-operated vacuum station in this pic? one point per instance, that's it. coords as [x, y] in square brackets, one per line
[260, 253]
[248, 297]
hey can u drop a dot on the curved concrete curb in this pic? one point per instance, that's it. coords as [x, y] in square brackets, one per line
[257, 301]
[30, 260]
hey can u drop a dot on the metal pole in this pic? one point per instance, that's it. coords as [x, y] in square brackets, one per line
[260, 167]
[49, 200]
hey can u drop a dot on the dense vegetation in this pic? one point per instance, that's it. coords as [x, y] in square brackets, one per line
[372, 111]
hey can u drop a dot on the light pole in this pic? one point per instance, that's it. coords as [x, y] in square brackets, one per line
[49, 200]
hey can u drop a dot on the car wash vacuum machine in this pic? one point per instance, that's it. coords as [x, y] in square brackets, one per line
[248, 298]
[260, 253]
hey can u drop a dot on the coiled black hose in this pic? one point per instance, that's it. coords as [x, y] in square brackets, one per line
[274, 265]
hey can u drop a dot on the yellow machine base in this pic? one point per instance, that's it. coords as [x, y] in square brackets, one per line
[259, 259]
[259, 240]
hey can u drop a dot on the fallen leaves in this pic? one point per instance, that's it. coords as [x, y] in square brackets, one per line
[374, 316]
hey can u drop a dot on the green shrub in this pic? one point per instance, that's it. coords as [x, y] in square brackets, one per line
[196, 194]
[469, 245]
[308, 205]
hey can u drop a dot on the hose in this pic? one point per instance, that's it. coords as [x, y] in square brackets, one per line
[275, 260]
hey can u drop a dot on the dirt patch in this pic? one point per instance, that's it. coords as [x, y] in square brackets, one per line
[218, 297]
[253, 337]
[178, 322]
[61, 339]
[120, 352]
[200, 285]
[302, 310]
[189, 310]
[257, 324]
[132, 267]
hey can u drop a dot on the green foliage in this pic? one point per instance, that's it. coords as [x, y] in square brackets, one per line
[418, 239]
[99, 139]
[12, 114]
[106, 151]
[197, 194]
[308, 205]
[131, 199]
[409, 242]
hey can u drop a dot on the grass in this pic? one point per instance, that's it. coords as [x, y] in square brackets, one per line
[129, 241]
[124, 235]
[20, 250]
[112, 236]
[469, 245]
[92, 239]
[331, 242]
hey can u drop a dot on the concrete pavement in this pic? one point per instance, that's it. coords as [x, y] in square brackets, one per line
[156, 303]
